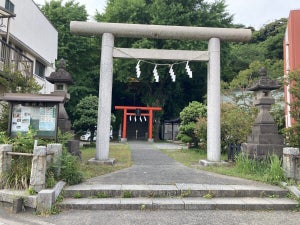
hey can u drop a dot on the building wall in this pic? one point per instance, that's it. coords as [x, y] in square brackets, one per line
[291, 47]
[32, 32]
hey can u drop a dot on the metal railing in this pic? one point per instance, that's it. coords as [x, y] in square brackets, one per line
[13, 60]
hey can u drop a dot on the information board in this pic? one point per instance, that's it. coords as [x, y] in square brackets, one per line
[41, 119]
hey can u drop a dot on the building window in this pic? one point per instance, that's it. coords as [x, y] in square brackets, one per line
[39, 69]
[9, 6]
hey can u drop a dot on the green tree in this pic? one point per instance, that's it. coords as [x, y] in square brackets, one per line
[189, 117]
[80, 53]
[18, 81]
[270, 38]
[265, 45]
[87, 113]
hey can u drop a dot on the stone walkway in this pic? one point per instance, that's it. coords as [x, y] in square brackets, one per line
[151, 166]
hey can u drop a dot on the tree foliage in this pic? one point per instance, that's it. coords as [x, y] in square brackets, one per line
[80, 53]
[236, 123]
[189, 117]
[265, 47]
[87, 113]
[18, 82]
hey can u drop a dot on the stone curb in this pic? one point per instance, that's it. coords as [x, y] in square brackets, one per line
[184, 190]
[42, 201]
[46, 198]
[293, 189]
[179, 204]
[8, 196]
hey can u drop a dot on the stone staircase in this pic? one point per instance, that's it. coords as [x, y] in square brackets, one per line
[176, 197]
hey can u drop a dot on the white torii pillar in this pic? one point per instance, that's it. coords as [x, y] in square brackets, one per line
[109, 30]
[213, 102]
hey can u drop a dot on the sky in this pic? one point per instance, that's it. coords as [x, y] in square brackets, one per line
[255, 13]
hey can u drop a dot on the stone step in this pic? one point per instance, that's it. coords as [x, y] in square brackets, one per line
[190, 203]
[177, 190]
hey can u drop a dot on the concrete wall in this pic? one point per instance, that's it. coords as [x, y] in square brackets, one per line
[32, 32]
[291, 46]
[33, 29]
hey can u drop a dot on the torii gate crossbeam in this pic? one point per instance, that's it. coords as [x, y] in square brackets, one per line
[110, 30]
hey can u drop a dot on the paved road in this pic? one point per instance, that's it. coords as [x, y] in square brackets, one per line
[153, 218]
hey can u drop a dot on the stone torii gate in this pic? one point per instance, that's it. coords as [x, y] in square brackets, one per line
[108, 52]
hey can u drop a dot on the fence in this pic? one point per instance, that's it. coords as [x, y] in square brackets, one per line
[41, 156]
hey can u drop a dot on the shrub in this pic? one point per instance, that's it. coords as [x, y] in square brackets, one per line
[4, 139]
[201, 132]
[189, 116]
[236, 124]
[70, 172]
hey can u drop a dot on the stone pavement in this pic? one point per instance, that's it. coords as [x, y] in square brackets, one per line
[151, 166]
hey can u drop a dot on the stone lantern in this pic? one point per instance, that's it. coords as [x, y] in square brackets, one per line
[264, 139]
[61, 79]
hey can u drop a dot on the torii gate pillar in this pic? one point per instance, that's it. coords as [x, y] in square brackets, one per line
[104, 104]
[213, 102]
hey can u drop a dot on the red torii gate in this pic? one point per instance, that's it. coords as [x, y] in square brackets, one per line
[135, 109]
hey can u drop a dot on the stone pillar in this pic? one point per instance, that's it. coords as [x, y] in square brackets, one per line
[5, 159]
[105, 96]
[38, 169]
[56, 152]
[73, 147]
[213, 102]
[290, 163]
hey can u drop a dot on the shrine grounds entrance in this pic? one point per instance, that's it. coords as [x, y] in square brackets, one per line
[212, 56]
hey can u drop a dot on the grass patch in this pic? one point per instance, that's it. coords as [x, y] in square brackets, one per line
[120, 152]
[188, 157]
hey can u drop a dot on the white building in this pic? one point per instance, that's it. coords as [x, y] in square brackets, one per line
[27, 41]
